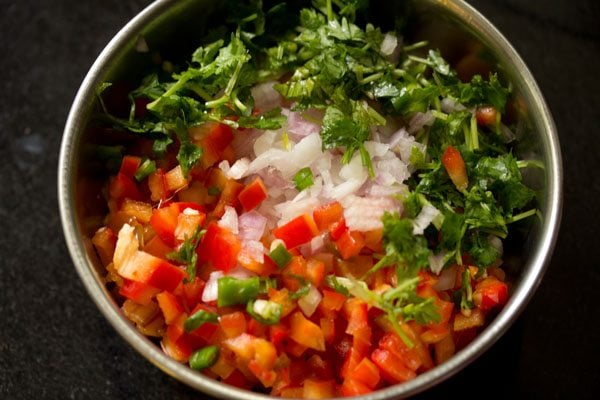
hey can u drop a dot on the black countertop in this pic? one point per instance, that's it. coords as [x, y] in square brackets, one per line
[55, 344]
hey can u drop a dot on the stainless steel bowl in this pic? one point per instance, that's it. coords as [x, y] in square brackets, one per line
[454, 26]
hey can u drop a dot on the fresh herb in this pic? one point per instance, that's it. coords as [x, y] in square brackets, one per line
[186, 254]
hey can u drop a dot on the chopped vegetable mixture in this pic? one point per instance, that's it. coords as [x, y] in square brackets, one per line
[310, 212]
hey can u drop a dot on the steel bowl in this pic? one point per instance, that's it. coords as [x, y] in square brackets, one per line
[175, 27]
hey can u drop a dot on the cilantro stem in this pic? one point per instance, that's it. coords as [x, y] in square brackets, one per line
[415, 46]
[370, 78]
[474, 133]
[218, 102]
[329, 11]
[394, 320]
[522, 215]
[530, 163]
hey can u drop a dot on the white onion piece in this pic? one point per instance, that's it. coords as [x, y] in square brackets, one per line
[376, 149]
[392, 170]
[238, 169]
[265, 96]
[300, 126]
[229, 220]
[251, 225]
[316, 245]
[365, 213]
[419, 120]
[264, 142]
[240, 272]
[253, 250]
[126, 247]
[310, 301]
[426, 216]
[446, 279]
[211, 290]
[496, 243]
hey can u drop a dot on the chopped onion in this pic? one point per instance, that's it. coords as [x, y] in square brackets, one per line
[419, 120]
[229, 220]
[365, 213]
[426, 216]
[299, 126]
[238, 169]
[251, 225]
[265, 96]
[211, 290]
[446, 279]
[310, 301]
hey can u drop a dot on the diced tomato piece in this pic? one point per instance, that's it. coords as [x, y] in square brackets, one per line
[315, 271]
[220, 247]
[138, 292]
[455, 166]
[169, 306]
[129, 165]
[490, 293]
[306, 332]
[233, 324]
[351, 360]
[164, 222]
[298, 231]
[328, 214]
[486, 116]
[145, 268]
[328, 327]
[337, 229]
[253, 194]
[365, 372]
[391, 367]
[350, 243]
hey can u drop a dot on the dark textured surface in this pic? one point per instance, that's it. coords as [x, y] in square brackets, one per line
[54, 344]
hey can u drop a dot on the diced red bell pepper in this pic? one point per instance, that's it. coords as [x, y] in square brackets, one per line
[164, 220]
[220, 247]
[328, 214]
[490, 293]
[337, 229]
[365, 372]
[350, 243]
[157, 247]
[169, 306]
[138, 292]
[129, 165]
[353, 387]
[145, 268]
[191, 292]
[278, 333]
[298, 231]
[356, 314]
[214, 138]
[253, 194]
[391, 367]
[455, 166]
[410, 357]
[123, 187]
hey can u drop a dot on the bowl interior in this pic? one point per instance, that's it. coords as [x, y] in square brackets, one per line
[173, 29]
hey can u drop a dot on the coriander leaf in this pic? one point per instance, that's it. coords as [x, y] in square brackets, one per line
[186, 254]
[481, 249]
[189, 154]
[480, 92]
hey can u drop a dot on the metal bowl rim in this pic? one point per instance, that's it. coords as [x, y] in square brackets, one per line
[520, 297]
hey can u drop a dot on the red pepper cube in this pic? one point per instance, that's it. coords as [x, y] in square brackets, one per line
[391, 367]
[253, 194]
[298, 231]
[328, 214]
[220, 247]
[138, 292]
[169, 306]
[129, 166]
[365, 372]
[350, 243]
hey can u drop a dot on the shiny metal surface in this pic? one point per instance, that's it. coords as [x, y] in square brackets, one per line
[154, 22]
